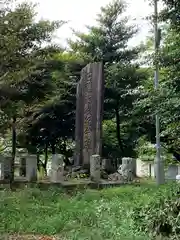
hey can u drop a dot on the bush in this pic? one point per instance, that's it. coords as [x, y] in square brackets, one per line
[160, 216]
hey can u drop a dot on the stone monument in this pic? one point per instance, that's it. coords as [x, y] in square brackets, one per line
[5, 167]
[31, 168]
[128, 168]
[89, 114]
[57, 168]
[95, 165]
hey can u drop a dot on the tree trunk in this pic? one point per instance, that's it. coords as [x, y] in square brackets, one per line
[118, 129]
[38, 161]
[13, 150]
[46, 159]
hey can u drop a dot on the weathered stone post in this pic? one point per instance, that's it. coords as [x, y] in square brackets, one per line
[95, 168]
[57, 168]
[31, 168]
[6, 167]
[128, 168]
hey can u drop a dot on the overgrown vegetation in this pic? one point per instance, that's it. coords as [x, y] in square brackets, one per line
[159, 216]
[130, 212]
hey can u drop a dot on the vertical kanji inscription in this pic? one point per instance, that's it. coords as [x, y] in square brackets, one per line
[89, 112]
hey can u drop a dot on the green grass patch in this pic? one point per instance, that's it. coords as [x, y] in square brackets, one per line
[91, 214]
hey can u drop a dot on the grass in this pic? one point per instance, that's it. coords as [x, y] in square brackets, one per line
[90, 214]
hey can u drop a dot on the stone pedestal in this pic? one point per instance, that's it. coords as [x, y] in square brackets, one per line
[57, 168]
[31, 168]
[95, 168]
[128, 168]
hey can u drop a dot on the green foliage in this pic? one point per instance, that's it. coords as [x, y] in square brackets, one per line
[86, 214]
[165, 100]
[171, 13]
[26, 80]
[129, 212]
[110, 143]
[107, 41]
[160, 215]
[52, 122]
[146, 151]
[23, 59]
[21, 42]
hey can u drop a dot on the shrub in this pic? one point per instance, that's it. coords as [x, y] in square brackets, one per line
[146, 151]
[161, 214]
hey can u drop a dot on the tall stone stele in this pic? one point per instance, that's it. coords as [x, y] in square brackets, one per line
[89, 114]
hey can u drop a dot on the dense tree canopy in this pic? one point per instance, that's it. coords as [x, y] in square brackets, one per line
[108, 42]
[166, 99]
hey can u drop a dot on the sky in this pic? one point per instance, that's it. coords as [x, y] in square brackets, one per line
[83, 12]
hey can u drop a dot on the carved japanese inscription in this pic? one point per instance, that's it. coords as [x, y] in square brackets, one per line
[89, 111]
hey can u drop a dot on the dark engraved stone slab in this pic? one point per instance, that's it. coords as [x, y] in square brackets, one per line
[89, 113]
[88, 117]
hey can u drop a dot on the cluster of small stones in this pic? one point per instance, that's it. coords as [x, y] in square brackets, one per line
[98, 169]
[126, 172]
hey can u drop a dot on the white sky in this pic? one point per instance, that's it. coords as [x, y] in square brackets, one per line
[83, 12]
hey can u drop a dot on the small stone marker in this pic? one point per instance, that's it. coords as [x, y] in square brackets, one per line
[128, 168]
[95, 168]
[57, 168]
[6, 167]
[31, 168]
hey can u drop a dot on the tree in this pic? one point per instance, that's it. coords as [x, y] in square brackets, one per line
[20, 56]
[166, 99]
[171, 13]
[51, 125]
[108, 42]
